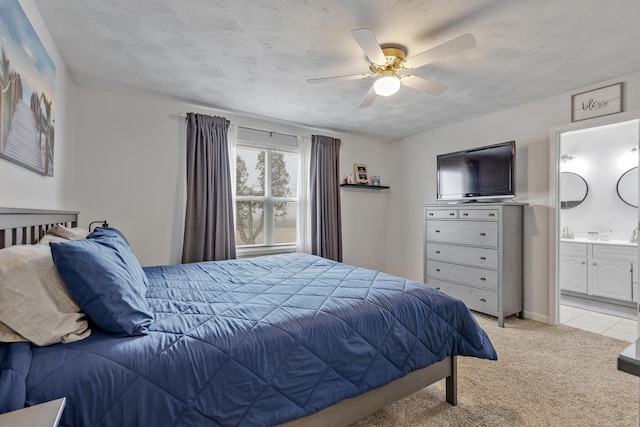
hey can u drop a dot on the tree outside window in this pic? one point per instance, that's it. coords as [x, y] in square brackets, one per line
[266, 196]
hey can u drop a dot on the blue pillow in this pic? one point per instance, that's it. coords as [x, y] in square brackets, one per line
[107, 232]
[105, 278]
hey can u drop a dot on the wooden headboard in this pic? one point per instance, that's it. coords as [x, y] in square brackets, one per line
[27, 226]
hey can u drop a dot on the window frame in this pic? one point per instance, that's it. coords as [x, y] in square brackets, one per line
[269, 246]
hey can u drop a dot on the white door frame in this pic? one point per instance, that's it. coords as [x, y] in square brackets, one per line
[554, 198]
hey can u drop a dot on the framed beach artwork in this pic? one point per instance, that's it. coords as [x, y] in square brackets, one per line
[27, 79]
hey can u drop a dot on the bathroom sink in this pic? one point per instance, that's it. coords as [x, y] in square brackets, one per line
[601, 242]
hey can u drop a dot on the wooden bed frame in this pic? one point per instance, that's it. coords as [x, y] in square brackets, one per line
[355, 408]
[27, 226]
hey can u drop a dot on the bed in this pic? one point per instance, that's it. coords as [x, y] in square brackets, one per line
[288, 339]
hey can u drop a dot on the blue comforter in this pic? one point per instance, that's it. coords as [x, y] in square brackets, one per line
[247, 343]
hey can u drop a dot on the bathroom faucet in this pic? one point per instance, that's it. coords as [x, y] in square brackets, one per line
[634, 236]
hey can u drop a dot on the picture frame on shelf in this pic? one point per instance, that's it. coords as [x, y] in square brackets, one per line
[375, 180]
[598, 102]
[361, 173]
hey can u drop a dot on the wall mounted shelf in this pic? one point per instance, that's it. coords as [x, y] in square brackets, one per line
[366, 186]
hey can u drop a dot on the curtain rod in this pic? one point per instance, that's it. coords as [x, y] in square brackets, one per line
[270, 132]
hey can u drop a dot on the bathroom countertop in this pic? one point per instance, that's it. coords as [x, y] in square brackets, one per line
[601, 242]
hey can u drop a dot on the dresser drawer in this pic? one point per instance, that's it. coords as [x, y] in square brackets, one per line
[479, 257]
[438, 284]
[479, 277]
[442, 213]
[479, 299]
[479, 233]
[486, 214]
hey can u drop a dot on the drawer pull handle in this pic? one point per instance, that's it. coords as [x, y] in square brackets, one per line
[437, 252]
[483, 300]
[438, 288]
[452, 214]
[483, 258]
[438, 270]
[483, 234]
[437, 231]
[430, 213]
[492, 214]
[483, 279]
[465, 214]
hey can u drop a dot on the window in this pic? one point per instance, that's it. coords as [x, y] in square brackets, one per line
[266, 196]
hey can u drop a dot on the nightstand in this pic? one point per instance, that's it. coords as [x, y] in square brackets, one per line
[43, 415]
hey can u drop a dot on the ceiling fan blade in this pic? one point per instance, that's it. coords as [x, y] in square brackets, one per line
[457, 45]
[339, 78]
[368, 98]
[369, 45]
[423, 85]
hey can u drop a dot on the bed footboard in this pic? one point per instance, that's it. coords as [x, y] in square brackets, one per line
[355, 408]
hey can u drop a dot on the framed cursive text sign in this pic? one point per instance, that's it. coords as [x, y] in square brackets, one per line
[595, 103]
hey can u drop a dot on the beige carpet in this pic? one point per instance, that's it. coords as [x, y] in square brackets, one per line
[545, 376]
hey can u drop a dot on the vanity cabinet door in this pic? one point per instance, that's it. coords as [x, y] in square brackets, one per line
[612, 279]
[634, 266]
[573, 274]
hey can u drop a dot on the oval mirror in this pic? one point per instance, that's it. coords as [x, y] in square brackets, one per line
[627, 187]
[573, 190]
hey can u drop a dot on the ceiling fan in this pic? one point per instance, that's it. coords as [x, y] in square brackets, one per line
[390, 65]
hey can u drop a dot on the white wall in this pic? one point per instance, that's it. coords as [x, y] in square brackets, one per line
[131, 171]
[601, 156]
[413, 173]
[23, 188]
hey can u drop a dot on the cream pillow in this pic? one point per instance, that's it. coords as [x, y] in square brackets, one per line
[51, 238]
[74, 233]
[34, 303]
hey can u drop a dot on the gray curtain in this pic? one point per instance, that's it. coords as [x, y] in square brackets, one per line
[208, 229]
[326, 223]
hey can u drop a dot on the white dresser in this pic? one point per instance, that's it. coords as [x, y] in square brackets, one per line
[474, 252]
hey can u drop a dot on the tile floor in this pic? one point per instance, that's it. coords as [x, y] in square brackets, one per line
[599, 323]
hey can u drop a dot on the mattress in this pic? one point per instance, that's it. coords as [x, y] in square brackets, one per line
[250, 342]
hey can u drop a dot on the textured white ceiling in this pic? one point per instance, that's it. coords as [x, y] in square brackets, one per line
[254, 56]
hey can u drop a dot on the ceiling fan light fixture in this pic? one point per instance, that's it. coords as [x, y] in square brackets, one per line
[387, 85]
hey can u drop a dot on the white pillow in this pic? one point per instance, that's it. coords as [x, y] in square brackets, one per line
[34, 303]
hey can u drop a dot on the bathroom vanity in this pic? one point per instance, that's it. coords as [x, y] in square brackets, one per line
[605, 270]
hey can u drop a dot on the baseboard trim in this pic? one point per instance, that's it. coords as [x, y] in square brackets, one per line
[544, 318]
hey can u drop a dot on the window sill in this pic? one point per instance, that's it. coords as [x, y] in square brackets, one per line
[264, 250]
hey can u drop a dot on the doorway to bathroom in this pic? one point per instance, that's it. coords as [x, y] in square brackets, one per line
[597, 218]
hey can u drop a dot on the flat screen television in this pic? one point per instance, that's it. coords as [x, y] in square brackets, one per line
[477, 173]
